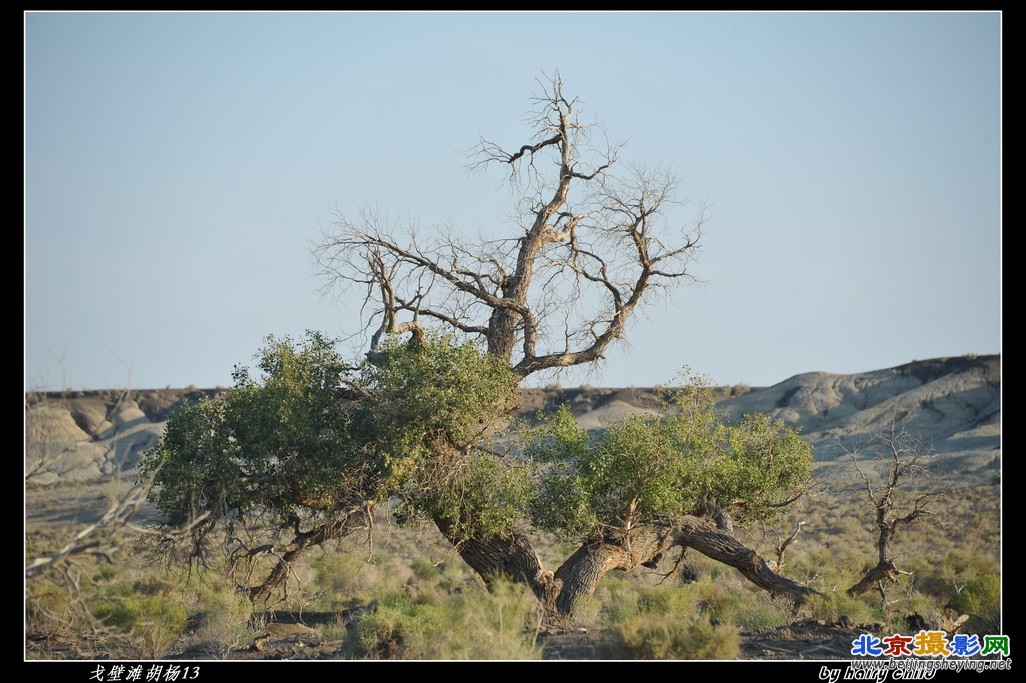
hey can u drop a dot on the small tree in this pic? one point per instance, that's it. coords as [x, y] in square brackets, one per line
[631, 493]
[900, 495]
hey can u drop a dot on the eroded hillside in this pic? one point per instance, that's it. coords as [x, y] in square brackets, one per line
[954, 404]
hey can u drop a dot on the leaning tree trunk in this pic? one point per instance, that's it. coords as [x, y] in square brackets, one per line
[514, 557]
[885, 571]
[580, 574]
[707, 539]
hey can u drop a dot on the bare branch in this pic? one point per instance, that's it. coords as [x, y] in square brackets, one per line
[897, 497]
[594, 249]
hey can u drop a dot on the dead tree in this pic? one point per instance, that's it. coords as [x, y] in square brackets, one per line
[900, 497]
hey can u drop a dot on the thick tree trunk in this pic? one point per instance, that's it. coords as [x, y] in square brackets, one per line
[884, 571]
[581, 572]
[512, 557]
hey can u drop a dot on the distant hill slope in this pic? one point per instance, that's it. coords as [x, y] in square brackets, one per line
[953, 403]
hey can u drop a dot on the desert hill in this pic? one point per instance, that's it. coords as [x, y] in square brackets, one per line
[954, 404]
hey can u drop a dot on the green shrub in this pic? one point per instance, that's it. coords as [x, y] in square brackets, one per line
[424, 570]
[831, 606]
[153, 622]
[345, 578]
[222, 614]
[620, 598]
[476, 624]
[980, 598]
[667, 600]
[958, 567]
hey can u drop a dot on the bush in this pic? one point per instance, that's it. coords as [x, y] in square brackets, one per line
[980, 598]
[496, 624]
[222, 615]
[830, 607]
[152, 622]
[666, 637]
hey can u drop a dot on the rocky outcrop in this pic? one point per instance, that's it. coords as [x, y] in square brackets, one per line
[87, 436]
[953, 404]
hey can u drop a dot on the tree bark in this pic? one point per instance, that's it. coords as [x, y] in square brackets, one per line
[582, 571]
[514, 558]
[884, 571]
[704, 537]
[510, 557]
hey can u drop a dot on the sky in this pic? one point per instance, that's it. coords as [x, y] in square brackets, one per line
[179, 168]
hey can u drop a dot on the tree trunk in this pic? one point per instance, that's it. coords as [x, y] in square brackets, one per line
[511, 557]
[581, 572]
[884, 571]
[514, 557]
[704, 537]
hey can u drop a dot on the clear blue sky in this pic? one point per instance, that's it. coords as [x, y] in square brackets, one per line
[179, 166]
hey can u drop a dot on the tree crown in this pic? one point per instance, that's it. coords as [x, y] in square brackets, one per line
[650, 469]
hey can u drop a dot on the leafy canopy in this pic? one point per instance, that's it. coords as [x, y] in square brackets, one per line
[437, 406]
[657, 469]
[277, 443]
[312, 435]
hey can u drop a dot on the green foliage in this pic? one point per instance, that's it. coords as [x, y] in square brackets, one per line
[624, 599]
[437, 389]
[763, 462]
[154, 621]
[437, 402]
[980, 598]
[424, 570]
[645, 470]
[957, 568]
[289, 441]
[667, 637]
[347, 578]
[277, 443]
[831, 606]
[219, 613]
[474, 494]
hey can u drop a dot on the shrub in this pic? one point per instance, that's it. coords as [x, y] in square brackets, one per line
[152, 622]
[830, 607]
[666, 637]
[496, 624]
[980, 598]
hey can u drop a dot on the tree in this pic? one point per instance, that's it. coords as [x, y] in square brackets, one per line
[316, 442]
[900, 495]
[644, 486]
